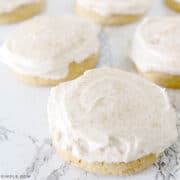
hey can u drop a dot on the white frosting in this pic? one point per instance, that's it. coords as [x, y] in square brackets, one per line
[108, 115]
[177, 1]
[45, 46]
[156, 45]
[10, 5]
[112, 7]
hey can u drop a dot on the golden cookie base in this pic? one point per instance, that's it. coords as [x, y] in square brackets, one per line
[162, 79]
[103, 20]
[75, 70]
[115, 169]
[173, 5]
[23, 12]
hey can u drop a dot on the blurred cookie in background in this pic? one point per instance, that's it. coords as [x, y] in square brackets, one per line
[155, 50]
[173, 4]
[18, 10]
[112, 12]
[50, 50]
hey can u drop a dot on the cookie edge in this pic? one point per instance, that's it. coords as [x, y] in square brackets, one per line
[23, 12]
[106, 20]
[74, 71]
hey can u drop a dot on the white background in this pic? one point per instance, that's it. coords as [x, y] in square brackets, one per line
[25, 147]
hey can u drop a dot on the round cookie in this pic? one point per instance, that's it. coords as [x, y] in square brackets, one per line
[173, 4]
[162, 79]
[115, 169]
[75, 70]
[155, 50]
[112, 12]
[14, 11]
[110, 122]
[58, 49]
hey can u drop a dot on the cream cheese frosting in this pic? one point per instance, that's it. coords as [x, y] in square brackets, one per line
[108, 115]
[10, 5]
[156, 45]
[45, 46]
[113, 7]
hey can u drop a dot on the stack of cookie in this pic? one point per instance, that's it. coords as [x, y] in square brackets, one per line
[105, 120]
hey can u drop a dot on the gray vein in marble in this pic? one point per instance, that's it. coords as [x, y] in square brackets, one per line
[84, 176]
[59, 172]
[168, 164]
[4, 132]
[34, 141]
[106, 56]
[44, 153]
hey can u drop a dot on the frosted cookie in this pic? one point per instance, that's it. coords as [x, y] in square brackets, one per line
[17, 10]
[111, 122]
[173, 4]
[50, 50]
[155, 50]
[112, 12]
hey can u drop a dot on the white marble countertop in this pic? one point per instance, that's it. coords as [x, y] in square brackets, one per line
[25, 147]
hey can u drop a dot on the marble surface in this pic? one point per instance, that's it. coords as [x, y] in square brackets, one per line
[25, 147]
